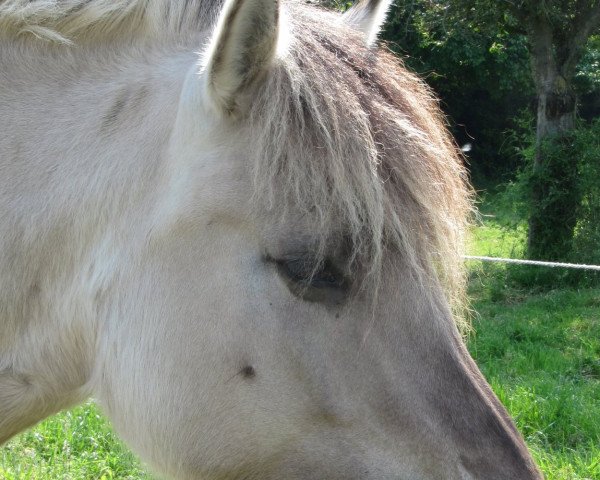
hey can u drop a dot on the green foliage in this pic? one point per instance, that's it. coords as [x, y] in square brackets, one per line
[587, 79]
[77, 444]
[575, 230]
[586, 242]
[474, 54]
[569, 209]
[481, 76]
[555, 195]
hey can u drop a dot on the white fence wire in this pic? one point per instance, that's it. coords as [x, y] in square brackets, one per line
[533, 262]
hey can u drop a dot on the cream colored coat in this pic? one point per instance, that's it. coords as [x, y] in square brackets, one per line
[248, 275]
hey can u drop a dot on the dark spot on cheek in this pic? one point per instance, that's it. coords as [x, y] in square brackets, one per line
[34, 290]
[248, 371]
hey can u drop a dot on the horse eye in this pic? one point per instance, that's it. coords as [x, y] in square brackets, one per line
[312, 281]
[304, 272]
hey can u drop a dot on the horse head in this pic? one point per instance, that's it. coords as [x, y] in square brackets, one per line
[278, 296]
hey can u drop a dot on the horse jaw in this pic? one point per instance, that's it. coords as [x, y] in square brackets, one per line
[242, 48]
[368, 17]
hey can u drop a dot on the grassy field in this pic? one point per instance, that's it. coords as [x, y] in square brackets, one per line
[540, 350]
[74, 445]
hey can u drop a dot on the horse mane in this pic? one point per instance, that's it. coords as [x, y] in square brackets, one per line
[348, 135]
[69, 21]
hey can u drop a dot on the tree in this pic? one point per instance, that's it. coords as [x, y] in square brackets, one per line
[474, 54]
[556, 32]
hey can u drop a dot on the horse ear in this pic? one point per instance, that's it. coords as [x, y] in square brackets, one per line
[242, 48]
[368, 16]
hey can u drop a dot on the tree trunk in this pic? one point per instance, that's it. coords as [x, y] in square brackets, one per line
[554, 198]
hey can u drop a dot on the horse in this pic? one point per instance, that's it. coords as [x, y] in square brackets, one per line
[237, 225]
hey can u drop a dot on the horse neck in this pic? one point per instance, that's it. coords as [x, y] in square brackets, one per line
[84, 166]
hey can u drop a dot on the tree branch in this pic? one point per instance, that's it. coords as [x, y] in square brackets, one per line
[587, 20]
[517, 11]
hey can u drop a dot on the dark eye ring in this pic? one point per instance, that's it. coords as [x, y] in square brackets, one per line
[308, 273]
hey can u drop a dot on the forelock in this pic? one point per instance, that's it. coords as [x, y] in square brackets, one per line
[345, 134]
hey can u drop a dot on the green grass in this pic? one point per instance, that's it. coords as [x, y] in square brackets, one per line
[539, 349]
[74, 445]
[541, 354]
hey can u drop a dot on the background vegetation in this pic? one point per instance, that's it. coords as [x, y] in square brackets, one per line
[520, 82]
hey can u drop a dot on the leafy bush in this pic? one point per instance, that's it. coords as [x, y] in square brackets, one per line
[566, 206]
[555, 194]
[586, 241]
[482, 76]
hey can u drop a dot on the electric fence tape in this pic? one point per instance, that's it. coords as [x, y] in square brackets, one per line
[533, 262]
